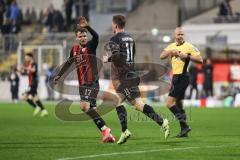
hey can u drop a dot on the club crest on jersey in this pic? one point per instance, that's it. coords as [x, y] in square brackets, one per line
[84, 50]
[75, 53]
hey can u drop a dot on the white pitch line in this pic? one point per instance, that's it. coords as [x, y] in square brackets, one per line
[144, 151]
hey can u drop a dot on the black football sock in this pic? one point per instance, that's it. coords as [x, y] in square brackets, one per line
[148, 111]
[179, 115]
[39, 104]
[184, 114]
[96, 118]
[122, 115]
[182, 124]
[31, 103]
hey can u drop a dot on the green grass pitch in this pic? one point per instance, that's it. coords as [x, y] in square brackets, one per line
[215, 136]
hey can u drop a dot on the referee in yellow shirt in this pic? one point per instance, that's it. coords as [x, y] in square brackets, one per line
[181, 53]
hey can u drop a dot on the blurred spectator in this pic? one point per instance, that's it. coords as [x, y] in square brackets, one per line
[58, 21]
[68, 11]
[48, 76]
[15, 27]
[49, 18]
[235, 72]
[33, 16]
[2, 10]
[224, 92]
[14, 18]
[237, 99]
[233, 90]
[226, 14]
[27, 17]
[86, 9]
[225, 8]
[229, 94]
[77, 4]
[208, 78]
[14, 11]
[6, 27]
[14, 84]
[82, 8]
[8, 8]
[193, 72]
[41, 17]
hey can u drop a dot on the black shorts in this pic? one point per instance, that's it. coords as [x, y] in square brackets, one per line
[129, 88]
[179, 85]
[89, 92]
[32, 90]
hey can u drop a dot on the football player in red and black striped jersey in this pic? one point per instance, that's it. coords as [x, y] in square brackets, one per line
[31, 96]
[83, 55]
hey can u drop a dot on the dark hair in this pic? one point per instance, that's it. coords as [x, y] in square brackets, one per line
[81, 30]
[29, 55]
[119, 20]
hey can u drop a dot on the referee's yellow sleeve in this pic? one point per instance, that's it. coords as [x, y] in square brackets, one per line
[194, 51]
[168, 48]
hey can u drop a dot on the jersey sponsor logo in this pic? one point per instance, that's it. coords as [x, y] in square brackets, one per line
[127, 39]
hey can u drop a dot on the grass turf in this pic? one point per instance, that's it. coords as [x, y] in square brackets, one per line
[24, 137]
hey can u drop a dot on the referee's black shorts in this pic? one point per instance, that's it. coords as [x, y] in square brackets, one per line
[180, 83]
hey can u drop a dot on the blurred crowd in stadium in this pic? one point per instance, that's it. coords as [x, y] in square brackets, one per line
[12, 17]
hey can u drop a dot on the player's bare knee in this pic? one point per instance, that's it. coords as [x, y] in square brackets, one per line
[35, 98]
[138, 104]
[170, 102]
[84, 106]
[30, 97]
[24, 97]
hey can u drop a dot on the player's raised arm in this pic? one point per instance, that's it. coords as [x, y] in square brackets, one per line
[84, 24]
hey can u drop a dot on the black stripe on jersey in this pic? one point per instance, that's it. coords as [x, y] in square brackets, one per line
[185, 66]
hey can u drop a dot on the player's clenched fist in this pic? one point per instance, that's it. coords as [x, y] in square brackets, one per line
[175, 52]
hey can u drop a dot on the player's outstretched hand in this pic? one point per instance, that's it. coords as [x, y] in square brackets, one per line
[83, 22]
[55, 79]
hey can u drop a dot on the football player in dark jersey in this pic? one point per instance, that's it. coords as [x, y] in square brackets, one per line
[125, 78]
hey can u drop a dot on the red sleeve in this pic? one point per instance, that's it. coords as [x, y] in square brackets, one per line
[75, 49]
